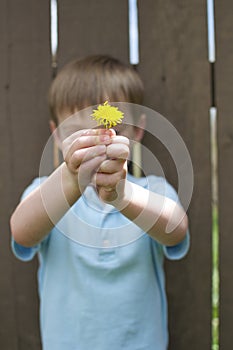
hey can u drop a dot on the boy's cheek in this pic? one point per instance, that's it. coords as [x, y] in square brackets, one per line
[65, 133]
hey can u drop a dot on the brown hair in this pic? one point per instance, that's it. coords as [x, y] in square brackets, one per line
[93, 80]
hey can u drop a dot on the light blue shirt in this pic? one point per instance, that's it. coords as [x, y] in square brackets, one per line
[102, 292]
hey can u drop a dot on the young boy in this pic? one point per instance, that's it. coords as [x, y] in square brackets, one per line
[99, 296]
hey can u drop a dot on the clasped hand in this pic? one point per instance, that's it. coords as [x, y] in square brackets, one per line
[98, 157]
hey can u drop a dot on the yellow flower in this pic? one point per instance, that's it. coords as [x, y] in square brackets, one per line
[107, 115]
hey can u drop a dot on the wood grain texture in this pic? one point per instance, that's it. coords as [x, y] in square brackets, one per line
[25, 76]
[175, 70]
[224, 93]
[92, 27]
[8, 339]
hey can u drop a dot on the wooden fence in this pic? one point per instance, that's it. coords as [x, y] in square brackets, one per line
[176, 72]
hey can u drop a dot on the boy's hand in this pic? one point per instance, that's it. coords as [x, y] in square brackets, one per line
[110, 178]
[99, 157]
[84, 151]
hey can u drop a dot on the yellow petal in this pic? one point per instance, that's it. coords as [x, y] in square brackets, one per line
[107, 115]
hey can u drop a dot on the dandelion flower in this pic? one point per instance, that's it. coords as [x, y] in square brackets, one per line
[107, 115]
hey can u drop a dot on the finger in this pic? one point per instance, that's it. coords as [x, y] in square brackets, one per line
[120, 139]
[88, 141]
[108, 195]
[89, 132]
[87, 171]
[84, 138]
[110, 166]
[117, 150]
[85, 142]
[76, 134]
[84, 155]
[109, 181]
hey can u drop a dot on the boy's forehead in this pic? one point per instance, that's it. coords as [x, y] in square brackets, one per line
[78, 120]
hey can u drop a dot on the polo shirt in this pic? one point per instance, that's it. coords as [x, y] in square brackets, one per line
[101, 279]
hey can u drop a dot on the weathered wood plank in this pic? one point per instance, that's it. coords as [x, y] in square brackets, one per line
[8, 338]
[25, 76]
[174, 66]
[92, 27]
[224, 92]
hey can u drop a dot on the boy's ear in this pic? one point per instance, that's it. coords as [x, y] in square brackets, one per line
[55, 132]
[52, 126]
[139, 128]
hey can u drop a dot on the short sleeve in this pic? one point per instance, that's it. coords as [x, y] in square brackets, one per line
[161, 186]
[179, 250]
[21, 252]
[24, 253]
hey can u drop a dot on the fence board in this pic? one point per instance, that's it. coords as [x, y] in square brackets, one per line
[25, 75]
[174, 66]
[7, 309]
[92, 27]
[224, 91]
